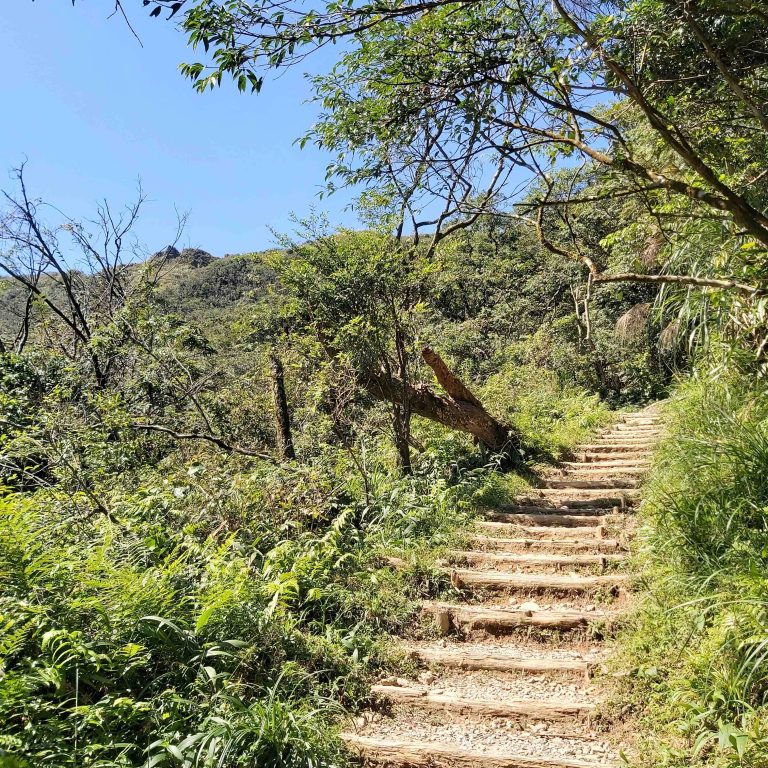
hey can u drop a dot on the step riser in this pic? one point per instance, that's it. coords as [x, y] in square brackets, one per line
[537, 583]
[529, 709]
[585, 509]
[500, 559]
[577, 499]
[488, 543]
[555, 519]
[543, 533]
[411, 754]
[635, 432]
[602, 484]
[609, 468]
[461, 660]
[627, 439]
[596, 497]
[502, 622]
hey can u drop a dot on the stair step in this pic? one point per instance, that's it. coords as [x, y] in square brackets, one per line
[536, 709]
[626, 440]
[568, 483]
[558, 519]
[642, 420]
[615, 450]
[542, 532]
[513, 558]
[595, 497]
[534, 582]
[478, 656]
[554, 499]
[578, 507]
[608, 466]
[497, 620]
[569, 544]
[415, 754]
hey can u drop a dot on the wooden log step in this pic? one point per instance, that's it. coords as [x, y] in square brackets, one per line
[550, 499]
[534, 582]
[594, 457]
[526, 558]
[535, 709]
[583, 508]
[427, 754]
[624, 475]
[641, 420]
[541, 532]
[626, 440]
[501, 620]
[566, 543]
[468, 656]
[602, 483]
[596, 497]
[633, 432]
[617, 451]
[608, 466]
[558, 519]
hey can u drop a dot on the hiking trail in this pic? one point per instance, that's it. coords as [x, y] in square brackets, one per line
[509, 681]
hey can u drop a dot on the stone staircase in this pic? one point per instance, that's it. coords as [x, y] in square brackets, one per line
[507, 683]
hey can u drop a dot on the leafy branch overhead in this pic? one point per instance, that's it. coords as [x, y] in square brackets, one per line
[459, 109]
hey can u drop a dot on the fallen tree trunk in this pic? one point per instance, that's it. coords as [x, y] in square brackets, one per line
[460, 410]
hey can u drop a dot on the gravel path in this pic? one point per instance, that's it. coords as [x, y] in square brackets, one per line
[493, 735]
[500, 686]
[519, 649]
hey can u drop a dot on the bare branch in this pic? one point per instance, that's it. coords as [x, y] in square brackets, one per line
[210, 438]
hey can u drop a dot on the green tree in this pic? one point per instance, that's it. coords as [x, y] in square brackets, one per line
[457, 109]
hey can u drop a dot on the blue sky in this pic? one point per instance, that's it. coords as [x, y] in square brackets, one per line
[92, 112]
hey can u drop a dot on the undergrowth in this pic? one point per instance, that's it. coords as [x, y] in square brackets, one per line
[224, 612]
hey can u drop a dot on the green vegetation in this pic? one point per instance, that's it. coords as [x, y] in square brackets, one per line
[698, 646]
[207, 465]
[172, 590]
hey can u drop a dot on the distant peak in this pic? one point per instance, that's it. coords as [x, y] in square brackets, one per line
[168, 253]
[195, 257]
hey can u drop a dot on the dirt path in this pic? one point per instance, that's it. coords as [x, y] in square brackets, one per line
[508, 681]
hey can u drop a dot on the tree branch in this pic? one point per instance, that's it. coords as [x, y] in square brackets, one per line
[215, 439]
[701, 282]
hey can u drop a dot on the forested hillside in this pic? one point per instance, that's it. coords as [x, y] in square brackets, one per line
[226, 484]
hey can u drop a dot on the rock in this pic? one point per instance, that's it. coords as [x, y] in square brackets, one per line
[168, 253]
[196, 257]
[427, 678]
[529, 606]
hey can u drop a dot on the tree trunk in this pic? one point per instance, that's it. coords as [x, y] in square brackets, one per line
[460, 410]
[401, 411]
[402, 429]
[282, 415]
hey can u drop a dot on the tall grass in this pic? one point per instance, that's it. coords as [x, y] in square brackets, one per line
[698, 646]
